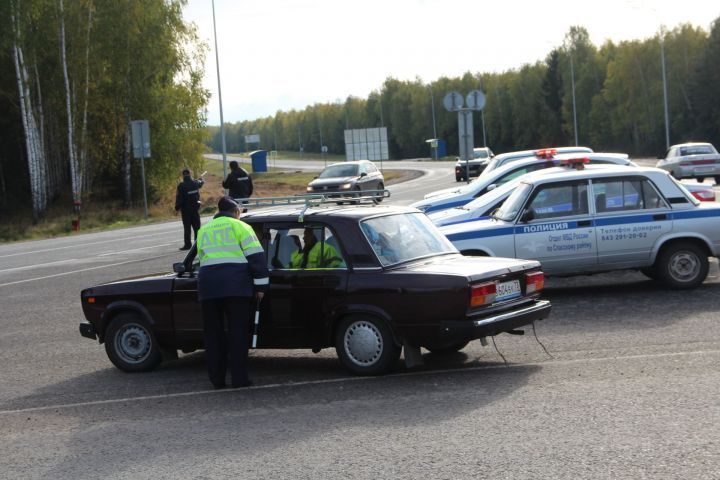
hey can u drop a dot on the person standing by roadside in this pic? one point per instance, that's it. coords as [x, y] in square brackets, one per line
[187, 202]
[238, 182]
[233, 269]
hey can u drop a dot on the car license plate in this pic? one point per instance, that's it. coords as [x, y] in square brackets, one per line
[507, 290]
[703, 169]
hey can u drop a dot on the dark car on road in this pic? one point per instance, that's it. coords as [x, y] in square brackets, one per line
[385, 279]
[353, 177]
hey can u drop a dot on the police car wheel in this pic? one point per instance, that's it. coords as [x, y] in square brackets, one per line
[682, 265]
[448, 349]
[365, 345]
[379, 197]
[130, 344]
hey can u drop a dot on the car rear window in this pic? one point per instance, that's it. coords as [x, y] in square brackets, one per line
[696, 150]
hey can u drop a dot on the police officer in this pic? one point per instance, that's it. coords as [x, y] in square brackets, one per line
[238, 182]
[233, 269]
[187, 202]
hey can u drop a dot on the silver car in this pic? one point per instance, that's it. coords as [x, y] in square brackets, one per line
[692, 160]
[344, 177]
[601, 218]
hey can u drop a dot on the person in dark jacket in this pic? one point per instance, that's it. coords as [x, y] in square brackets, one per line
[233, 269]
[187, 202]
[238, 182]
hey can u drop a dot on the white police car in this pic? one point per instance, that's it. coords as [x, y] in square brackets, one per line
[458, 196]
[601, 218]
[505, 158]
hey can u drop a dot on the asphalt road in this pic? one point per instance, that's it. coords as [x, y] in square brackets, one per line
[629, 390]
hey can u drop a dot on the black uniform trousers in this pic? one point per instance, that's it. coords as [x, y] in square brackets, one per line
[190, 219]
[237, 311]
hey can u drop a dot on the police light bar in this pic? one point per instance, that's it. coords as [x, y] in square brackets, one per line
[578, 163]
[546, 153]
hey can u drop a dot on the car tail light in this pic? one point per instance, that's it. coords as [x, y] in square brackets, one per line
[704, 195]
[482, 294]
[697, 162]
[534, 282]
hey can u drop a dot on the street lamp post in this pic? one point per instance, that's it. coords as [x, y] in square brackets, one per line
[665, 99]
[572, 76]
[222, 121]
[432, 103]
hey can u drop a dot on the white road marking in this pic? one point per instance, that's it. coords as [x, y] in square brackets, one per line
[84, 270]
[85, 244]
[347, 379]
[135, 249]
[28, 267]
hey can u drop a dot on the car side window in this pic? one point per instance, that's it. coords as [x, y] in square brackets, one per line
[618, 195]
[562, 200]
[306, 248]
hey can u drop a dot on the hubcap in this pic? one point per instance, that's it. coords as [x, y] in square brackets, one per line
[363, 343]
[132, 343]
[684, 266]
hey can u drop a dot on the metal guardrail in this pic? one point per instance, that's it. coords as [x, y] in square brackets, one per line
[317, 199]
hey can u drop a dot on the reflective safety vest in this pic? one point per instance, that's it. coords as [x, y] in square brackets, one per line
[318, 257]
[226, 240]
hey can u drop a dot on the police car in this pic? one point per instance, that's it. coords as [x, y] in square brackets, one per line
[483, 206]
[601, 218]
[458, 196]
[505, 158]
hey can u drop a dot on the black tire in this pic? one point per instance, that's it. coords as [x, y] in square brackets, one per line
[379, 197]
[357, 191]
[650, 272]
[131, 345]
[447, 349]
[682, 265]
[717, 180]
[365, 345]
[700, 179]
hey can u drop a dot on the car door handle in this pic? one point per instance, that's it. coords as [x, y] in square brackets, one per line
[584, 223]
[660, 216]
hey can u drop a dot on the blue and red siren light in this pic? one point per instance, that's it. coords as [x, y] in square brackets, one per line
[578, 163]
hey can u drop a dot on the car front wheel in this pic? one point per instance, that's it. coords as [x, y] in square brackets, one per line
[682, 265]
[131, 345]
[379, 196]
[365, 345]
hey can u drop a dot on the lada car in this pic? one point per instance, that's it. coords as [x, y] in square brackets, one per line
[344, 177]
[692, 160]
[483, 206]
[601, 218]
[458, 196]
[465, 169]
[387, 279]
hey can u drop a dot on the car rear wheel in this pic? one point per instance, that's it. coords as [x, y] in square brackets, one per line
[456, 347]
[379, 197]
[682, 265]
[717, 180]
[700, 179]
[131, 345]
[365, 345]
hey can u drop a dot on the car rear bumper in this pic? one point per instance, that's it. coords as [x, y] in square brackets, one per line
[697, 171]
[453, 332]
[87, 330]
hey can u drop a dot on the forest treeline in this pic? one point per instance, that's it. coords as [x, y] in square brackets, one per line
[618, 98]
[73, 74]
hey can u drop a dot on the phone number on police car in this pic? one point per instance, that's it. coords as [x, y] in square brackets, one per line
[623, 236]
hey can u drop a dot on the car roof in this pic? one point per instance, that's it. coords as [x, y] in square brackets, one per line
[589, 171]
[322, 212]
[691, 144]
[350, 162]
[532, 153]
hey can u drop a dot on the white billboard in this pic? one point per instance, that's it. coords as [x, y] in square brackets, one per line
[366, 144]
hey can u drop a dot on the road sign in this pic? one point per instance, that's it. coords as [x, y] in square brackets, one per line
[324, 149]
[475, 100]
[254, 138]
[140, 138]
[453, 102]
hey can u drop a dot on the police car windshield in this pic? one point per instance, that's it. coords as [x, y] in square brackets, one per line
[492, 196]
[403, 237]
[511, 207]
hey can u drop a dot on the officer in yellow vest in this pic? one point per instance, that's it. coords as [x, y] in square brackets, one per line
[233, 269]
[314, 254]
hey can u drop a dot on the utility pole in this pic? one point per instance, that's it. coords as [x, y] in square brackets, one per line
[222, 121]
[572, 75]
[664, 79]
[432, 103]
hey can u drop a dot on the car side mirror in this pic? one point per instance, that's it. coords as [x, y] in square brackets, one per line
[179, 268]
[491, 187]
[527, 215]
[363, 174]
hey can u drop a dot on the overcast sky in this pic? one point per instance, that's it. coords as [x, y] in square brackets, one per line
[287, 54]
